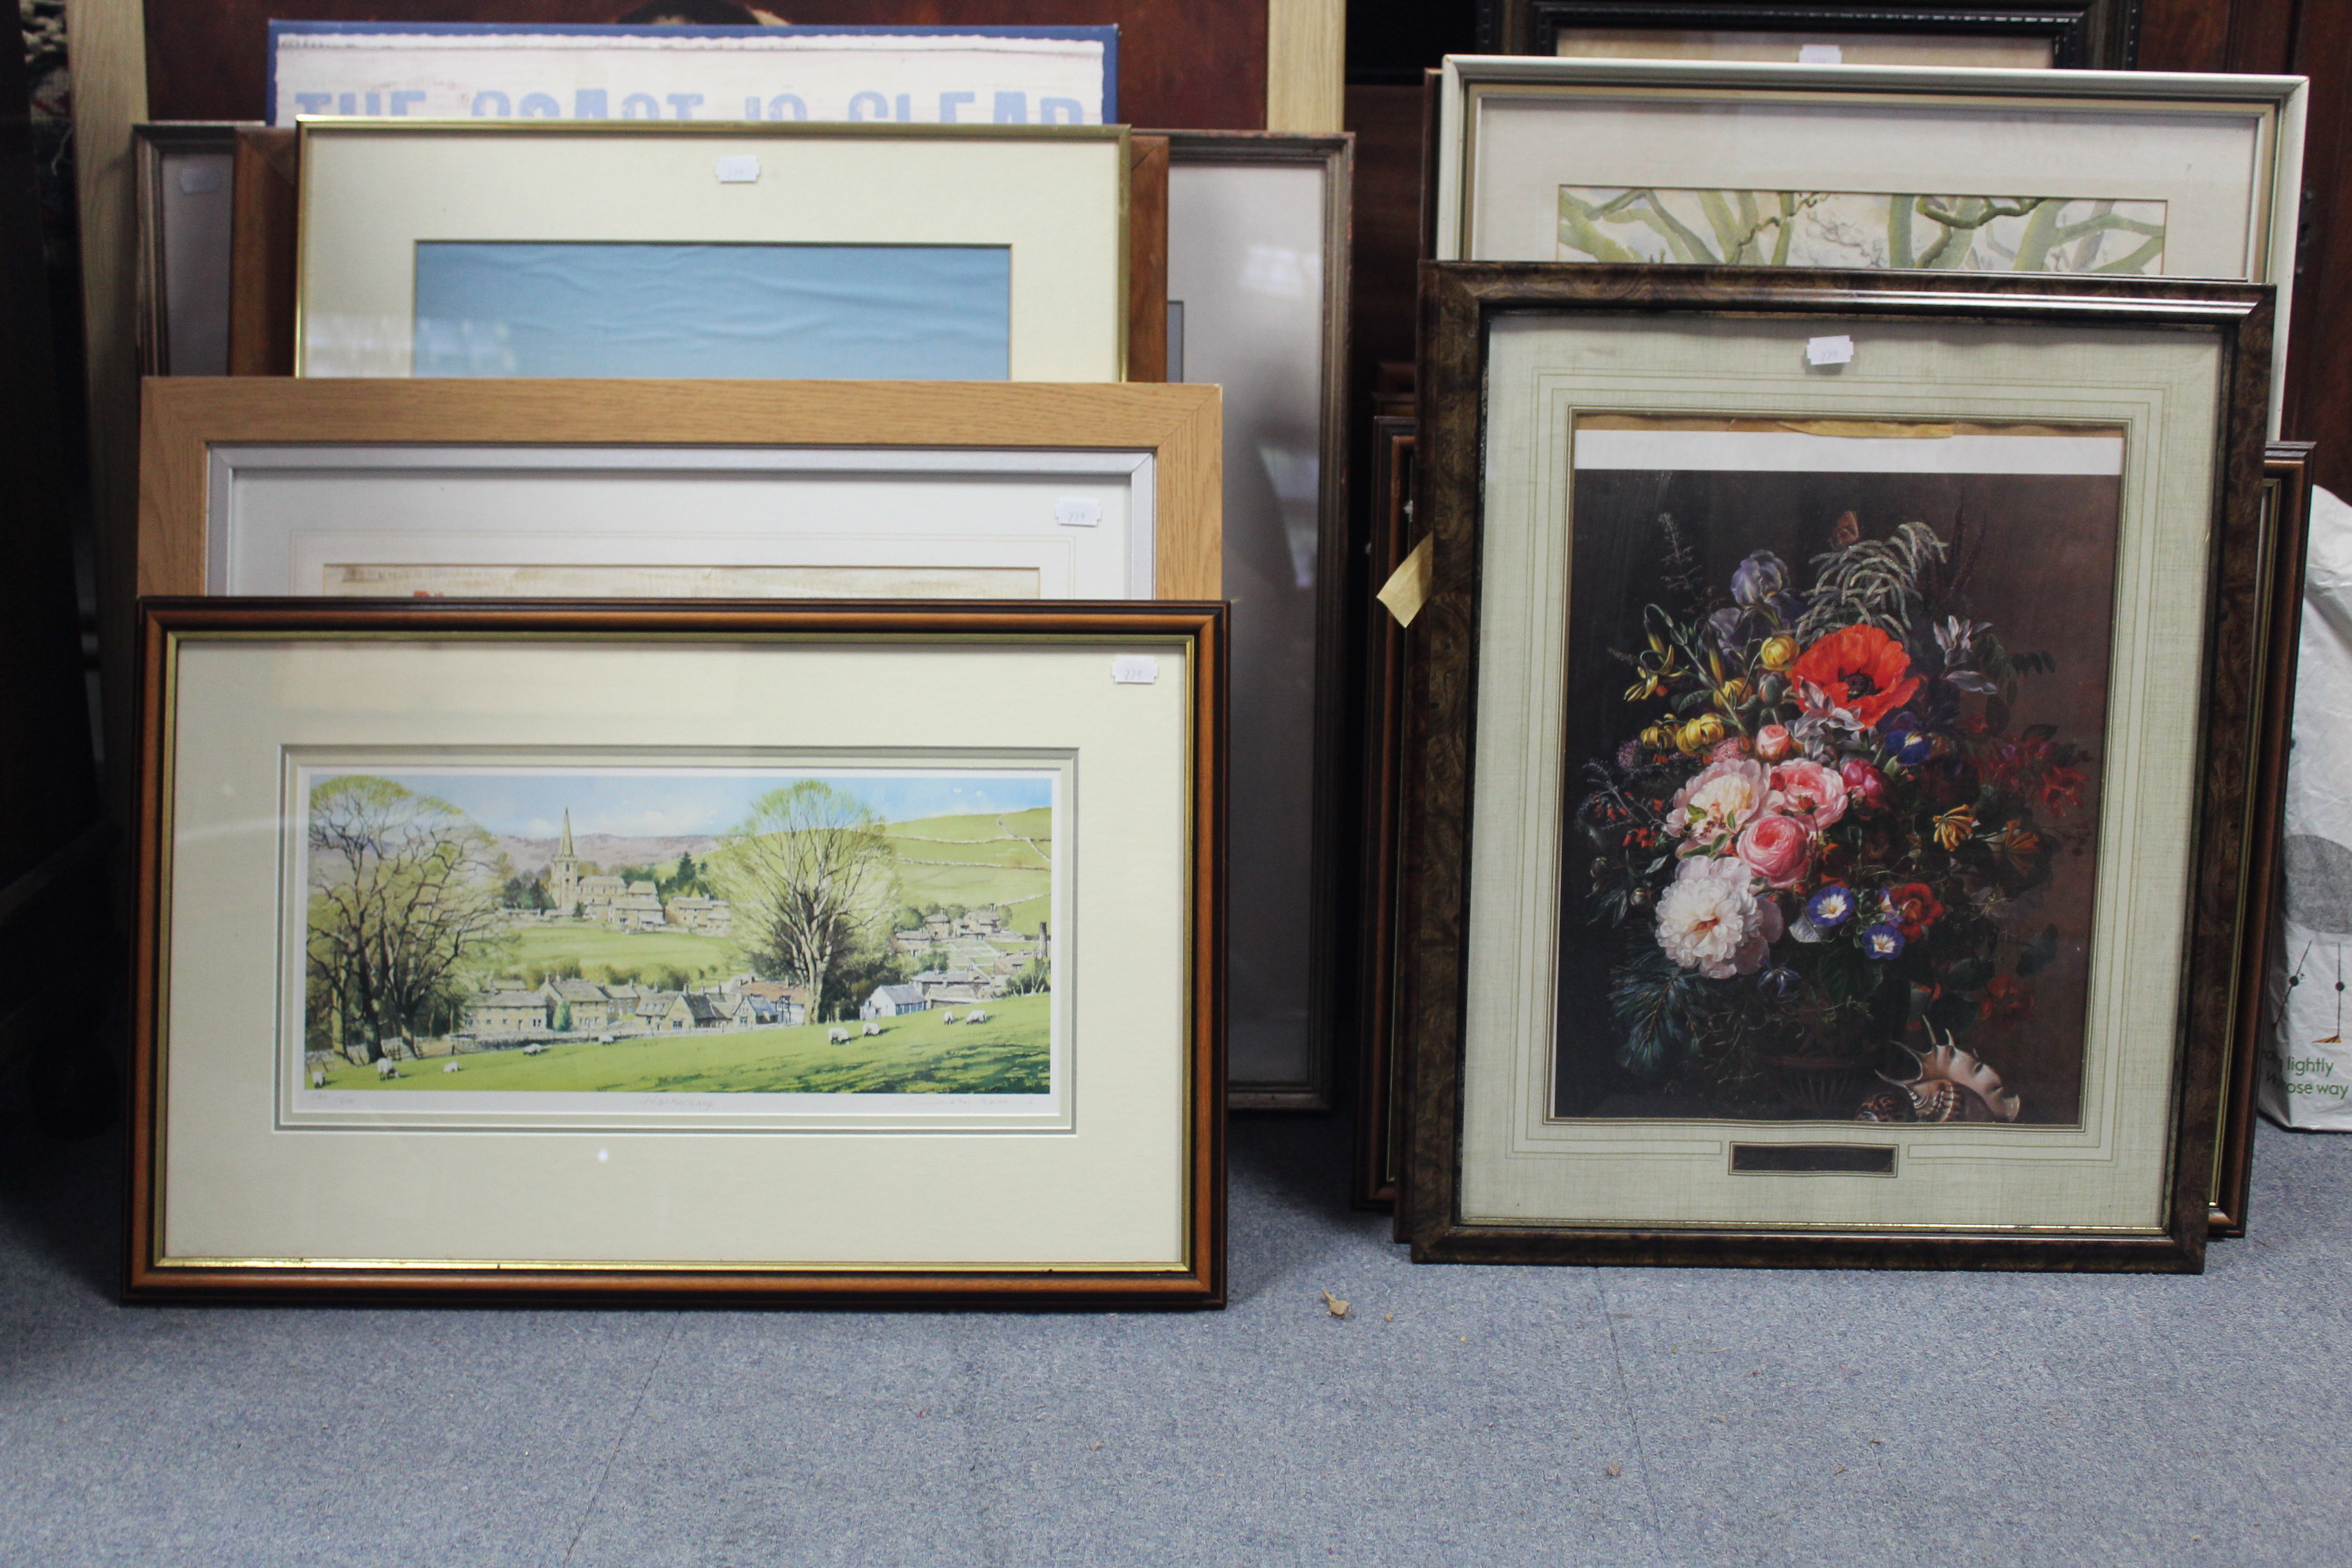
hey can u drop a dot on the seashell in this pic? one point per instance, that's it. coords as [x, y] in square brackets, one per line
[1888, 1105]
[1955, 1085]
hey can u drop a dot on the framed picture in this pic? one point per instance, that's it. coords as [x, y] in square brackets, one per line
[1379, 1005]
[2016, 34]
[443, 71]
[1830, 846]
[186, 183]
[1257, 303]
[511, 950]
[950, 253]
[2287, 513]
[659, 490]
[1865, 166]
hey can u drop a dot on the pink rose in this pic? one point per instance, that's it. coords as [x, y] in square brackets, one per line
[1777, 848]
[1720, 799]
[1729, 749]
[1773, 742]
[1863, 781]
[1808, 790]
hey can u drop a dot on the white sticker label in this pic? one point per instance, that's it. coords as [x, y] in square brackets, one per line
[199, 179]
[742, 169]
[1829, 350]
[1134, 669]
[1819, 55]
[1077, 514]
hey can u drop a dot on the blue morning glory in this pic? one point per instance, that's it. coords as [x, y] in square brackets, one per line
[1829, 908]
[1903, 742]
[1883, 941]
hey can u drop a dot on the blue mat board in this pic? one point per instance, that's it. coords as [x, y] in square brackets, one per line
[899, 313]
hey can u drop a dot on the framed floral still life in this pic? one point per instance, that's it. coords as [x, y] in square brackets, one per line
[1829, 845]
[506, 950]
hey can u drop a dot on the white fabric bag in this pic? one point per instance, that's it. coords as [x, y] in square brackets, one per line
[2306, 1076]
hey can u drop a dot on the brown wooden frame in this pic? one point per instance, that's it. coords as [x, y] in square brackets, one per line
[186, 416]
[1395, 535]
[149, 144]
[1458, 301]
[2100, 35]
[164, 623]
[1335, 154]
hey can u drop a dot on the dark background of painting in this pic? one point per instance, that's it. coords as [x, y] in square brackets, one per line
[2043, 573]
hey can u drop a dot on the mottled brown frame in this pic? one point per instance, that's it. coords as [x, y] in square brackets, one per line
[1458, 301]
[165, 623]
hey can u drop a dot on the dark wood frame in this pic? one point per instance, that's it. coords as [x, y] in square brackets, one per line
[1394, 535]
[164, 622]
[1335, 153]
[1458, 300]
[2099, 35]
[2287, 516]
[149, 145]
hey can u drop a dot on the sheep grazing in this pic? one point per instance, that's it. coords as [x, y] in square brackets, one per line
[837, 1037]
[950, 1018]
[386, 1067]
[533, 1049]
[975, 1017]
[871, 1030]
[448, 1067]
[318, 1077]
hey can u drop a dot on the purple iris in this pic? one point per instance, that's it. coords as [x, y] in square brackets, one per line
[1829, 908]
[1759, 579]
[1883, 941]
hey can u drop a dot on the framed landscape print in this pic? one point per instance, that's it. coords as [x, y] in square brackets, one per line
[1830, 846]
[502, 951]
[639, 489]
[1257, 268]
[831, 251]
[1706, 163]
[449, 70]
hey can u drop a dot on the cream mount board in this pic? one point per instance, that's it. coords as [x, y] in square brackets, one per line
[1056, 197]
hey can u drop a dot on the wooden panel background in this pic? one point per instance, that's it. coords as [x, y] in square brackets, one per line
[1184, 64]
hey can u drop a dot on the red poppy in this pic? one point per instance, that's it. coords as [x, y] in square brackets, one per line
[1915, 907]
[2006, 1001]
[1860, 669]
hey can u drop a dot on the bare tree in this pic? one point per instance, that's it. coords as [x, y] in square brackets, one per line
[805, 872]
[403, 902]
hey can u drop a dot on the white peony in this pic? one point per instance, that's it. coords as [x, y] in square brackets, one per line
[1710, 919]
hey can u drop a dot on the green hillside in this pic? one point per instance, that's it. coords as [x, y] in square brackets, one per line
[611, 956]
[971, 860]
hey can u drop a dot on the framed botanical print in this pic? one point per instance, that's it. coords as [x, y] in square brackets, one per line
[2015, 34]
[829, 251]
[1829, 846]
[1257, 268]
[1708, 163]
[505, 951]
[644, 489]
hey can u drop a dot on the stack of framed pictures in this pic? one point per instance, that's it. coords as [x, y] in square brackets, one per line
[1564, 1070]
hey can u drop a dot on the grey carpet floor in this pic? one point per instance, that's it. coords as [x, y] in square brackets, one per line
[1627, 1418]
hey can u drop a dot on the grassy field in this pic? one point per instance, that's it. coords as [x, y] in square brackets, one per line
[969, 861]
[607, 954]
[916, 1054]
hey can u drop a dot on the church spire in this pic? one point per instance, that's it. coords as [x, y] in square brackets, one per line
[566, 850]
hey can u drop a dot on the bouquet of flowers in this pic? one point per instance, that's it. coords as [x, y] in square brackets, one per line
[1817, 847]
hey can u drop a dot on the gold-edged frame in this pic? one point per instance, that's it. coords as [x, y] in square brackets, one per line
[1196, 632]
[309, 132]
[185, 417]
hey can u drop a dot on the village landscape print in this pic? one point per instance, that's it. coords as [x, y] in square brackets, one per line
[699, 931]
